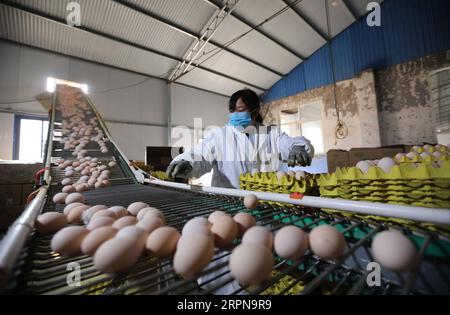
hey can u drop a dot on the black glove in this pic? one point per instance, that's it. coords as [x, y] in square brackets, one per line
[299, 157]
[178, 169]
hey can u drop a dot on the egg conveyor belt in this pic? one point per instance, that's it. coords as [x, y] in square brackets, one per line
[38, 270]
[42, 272]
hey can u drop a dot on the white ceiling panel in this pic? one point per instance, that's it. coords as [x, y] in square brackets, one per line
[116, 20]
[26, 28]
[191, 14]
[255, 46]
[234, 66]
[289, 28]
[212, 82]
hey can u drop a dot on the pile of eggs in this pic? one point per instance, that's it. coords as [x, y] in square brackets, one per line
[116, 237]
[77, 133]
[418, 153]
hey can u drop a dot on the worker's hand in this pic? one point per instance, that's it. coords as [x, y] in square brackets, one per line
[178, 169]
[299, 156]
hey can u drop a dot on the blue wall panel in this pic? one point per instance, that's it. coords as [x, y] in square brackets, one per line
[402, 30]
[368, 46]
[410, 29]
[318, 69]
[343, 56]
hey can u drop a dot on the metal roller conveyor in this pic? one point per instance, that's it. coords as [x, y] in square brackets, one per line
[28, 266]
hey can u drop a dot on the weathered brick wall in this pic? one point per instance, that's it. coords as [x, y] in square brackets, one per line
[357, 107]
[404, 101]
[380, 108]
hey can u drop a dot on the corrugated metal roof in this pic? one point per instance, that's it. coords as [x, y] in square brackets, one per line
[267, 53]
[256, 46]
[287, 27]
[111, 18]
[192, 14]
[212, 82]
[231, 65]
[32, 30]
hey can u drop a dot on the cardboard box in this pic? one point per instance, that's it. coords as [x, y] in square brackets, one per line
[10, 195]
[361, 154]
[9, 215]
[337, 158]
[18, 173]
[27, 189]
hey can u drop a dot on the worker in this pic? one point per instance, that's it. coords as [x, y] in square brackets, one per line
[244, 145]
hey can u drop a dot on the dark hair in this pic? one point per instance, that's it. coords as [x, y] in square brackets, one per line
[251, 100]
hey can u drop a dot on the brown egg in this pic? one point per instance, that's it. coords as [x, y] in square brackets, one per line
[151, 211]
[326, 242]
[117, 255]
[67, 241]
[71, 206]
[290, 242]
[75, 215]
[251, 201]
[96, 238]
[244, 221]
[124, 221]
[81, 187]
[162, 242]
[103, 213]
[68, 189]
[135, 207]
[150, 223]
[75, 197]
[198, 225]
[194, 252]
[215, 215]
[66, 181]
[394, 251]
[119, 211]
[100, 222]
[225, 231]
[251, 264]
[134, 232]
[50, 222]
[258, 235]
[60, 198]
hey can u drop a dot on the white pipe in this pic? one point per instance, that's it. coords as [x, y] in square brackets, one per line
[422, 214]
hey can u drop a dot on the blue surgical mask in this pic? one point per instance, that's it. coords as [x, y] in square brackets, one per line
[240, 119]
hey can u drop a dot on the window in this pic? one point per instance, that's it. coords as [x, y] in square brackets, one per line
[306, 121]
[30, 138]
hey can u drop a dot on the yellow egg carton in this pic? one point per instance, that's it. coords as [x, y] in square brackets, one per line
[424, 171]
[419, 159]
[269, 182]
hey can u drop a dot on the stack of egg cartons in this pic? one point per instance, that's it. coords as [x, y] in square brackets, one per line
[280, 182]
[417, 178]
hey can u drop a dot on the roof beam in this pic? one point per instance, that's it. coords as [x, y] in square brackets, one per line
[350, 9]
[306, 20]
[123, 41]
[181, 29]
[269, 37]
[111, 66]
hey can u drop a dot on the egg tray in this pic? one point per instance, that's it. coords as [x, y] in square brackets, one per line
[269, 182]
[42, 272]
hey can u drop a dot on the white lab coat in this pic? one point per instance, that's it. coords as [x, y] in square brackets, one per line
[230, 152]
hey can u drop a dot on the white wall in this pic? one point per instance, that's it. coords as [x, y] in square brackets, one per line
[136, 115]
[188, 104]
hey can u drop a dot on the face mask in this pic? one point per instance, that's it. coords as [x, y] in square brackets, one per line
[240, 119]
